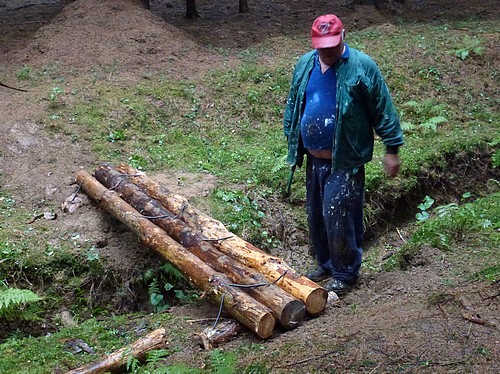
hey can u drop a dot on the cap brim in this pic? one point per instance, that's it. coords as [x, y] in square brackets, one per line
[326, 41]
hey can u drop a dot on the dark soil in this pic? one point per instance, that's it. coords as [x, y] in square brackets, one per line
[405, 321]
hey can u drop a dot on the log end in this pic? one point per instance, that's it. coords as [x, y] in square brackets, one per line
[292, 315]
[316, 301]
[265, 327]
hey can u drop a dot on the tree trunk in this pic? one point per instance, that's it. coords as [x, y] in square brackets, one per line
[311, 294]
[244, 6]
[238, 304]
[191, 11]
[118, 359]
[288, 310]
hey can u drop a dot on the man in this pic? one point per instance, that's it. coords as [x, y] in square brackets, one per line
[337, 100]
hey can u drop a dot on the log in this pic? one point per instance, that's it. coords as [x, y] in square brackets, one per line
[118, 359]
[211, 337]
[288, 310]
[310, 293]
[252, 314]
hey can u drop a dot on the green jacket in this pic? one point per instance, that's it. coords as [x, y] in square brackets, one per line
[363, 105]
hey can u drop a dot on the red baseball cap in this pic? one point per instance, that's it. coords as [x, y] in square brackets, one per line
[327, 31]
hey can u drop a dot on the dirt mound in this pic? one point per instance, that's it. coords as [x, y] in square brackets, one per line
[118, 34]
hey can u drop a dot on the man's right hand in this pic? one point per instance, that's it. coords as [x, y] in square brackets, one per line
[392, 164]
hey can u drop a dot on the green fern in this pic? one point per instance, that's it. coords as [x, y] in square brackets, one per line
[156, 356]
[16, 296]
[222, 362]
[12, 299]
[176, 369]
[171, 272]
[280, 165]
[408, 126]
[470, 47]
[133, 363]
[432, 123]
[149, 275]
[428, 114]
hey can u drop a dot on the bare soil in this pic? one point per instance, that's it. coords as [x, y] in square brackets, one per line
[389, 322]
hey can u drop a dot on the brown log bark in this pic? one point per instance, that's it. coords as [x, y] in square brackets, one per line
[118, 359]
[211, 337]
[311, 294]
[288, 310]
[252, 314]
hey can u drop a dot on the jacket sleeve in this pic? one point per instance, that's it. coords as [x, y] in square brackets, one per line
[290, 106]
[383, 114]
[290, 116]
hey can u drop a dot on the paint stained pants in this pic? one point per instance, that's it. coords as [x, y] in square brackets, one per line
[335, 217]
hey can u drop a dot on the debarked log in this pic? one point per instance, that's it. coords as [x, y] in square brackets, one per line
[288, 310]
[118, 359]
[251, 313]
[310, 293]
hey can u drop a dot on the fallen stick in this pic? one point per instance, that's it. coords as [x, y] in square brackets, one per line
[118, 359]
[476, 318]
[311, 294]
[288, 310]
[252, 314]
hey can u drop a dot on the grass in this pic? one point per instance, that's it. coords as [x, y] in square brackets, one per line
[229, 125]
[472, 226]
[102, 336]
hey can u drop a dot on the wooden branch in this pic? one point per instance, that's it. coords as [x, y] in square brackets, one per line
[288, 310]
[12, 88]
[118, 359]
[311, 294]
[238, 304]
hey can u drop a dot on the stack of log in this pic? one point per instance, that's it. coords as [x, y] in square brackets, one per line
[255, 288]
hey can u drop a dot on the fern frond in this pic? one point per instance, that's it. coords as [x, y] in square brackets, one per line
[15, 296]
[156, 355]
[407, 126]
[438, 108]
[280, 165]
[154, 288]
[411, 104]
[432, 123]
[222, 362]
[149, 275]
[171, 272]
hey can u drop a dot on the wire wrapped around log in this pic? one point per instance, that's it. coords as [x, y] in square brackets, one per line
[311, 294]
[288, 310]
[252, 314]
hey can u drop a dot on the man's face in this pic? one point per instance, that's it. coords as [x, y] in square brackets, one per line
[331, 55]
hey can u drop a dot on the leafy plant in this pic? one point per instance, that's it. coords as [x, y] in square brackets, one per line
[165, 282]
[471, 47]
[424, 206]
[133, 363]
[242, 209]
[55, 93]
[222, 362]
[12, 300]
[455, 221]
[24, 73]
[496, 159]
[427, 114]
[490, 274]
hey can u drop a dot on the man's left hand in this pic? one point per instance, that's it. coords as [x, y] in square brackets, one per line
[392, 164]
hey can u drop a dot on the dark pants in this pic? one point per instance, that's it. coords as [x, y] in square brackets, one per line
[335, 216]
